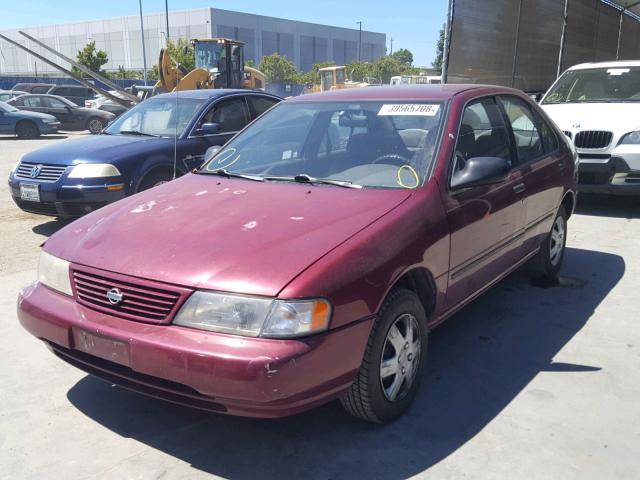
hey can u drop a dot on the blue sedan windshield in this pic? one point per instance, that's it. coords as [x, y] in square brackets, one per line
[157, 117]
[7, 108]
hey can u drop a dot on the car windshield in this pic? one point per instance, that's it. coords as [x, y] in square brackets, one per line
[369, 144]
[618, 84]
[161, 117]
[5, 107]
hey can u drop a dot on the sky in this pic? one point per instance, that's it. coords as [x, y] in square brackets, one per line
[413, 24]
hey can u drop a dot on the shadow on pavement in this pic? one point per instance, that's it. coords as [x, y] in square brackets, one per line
[479, 361]
[50, 227]
[608, 206]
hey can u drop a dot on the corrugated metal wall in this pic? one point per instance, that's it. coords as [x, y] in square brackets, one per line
[517, 42]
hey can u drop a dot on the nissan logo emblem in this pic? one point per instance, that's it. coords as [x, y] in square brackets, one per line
[35, 171]
[114, 296]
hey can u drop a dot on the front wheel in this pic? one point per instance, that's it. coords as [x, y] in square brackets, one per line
[95, 125]
[154, 179]
[546, 264]
[391, 369]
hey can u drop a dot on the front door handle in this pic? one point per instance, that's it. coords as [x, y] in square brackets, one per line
[519, 188]
[561, 166]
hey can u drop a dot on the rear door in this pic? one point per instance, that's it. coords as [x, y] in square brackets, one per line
[485, 222]
[543, 168]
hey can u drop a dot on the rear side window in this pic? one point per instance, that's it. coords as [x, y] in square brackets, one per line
[525, 129]
[259, 105]
[483, 133]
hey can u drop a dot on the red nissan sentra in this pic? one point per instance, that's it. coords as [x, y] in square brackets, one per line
[308, 259]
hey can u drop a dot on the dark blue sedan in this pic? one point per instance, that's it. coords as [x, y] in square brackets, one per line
[134, 153]
[26, 124]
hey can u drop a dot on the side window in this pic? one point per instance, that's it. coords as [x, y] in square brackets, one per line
[259, 105]
[231, 114]
[55, 103]
[32, 101]
[18, 101]
[40, 89]
[525, 130]
[483, 133]
[62, 91]
[549, 139]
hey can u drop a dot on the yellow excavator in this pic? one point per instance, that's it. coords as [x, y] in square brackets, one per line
[219, 63]
[335, 78]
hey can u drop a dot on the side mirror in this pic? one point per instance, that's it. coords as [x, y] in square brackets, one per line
[68, 108]
[211, 152]
[208, 129]
[480, 171]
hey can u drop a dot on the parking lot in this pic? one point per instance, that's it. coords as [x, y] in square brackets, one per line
[527, 382]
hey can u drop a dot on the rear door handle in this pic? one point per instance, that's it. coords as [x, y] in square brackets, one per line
[519, 188]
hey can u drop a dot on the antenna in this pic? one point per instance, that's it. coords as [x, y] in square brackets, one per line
[175, 138]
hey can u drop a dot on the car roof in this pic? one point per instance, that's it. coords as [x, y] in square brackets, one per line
[617, 64]
[397, 92]
[208, 93]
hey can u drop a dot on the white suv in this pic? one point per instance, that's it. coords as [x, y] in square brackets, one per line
[597, 105]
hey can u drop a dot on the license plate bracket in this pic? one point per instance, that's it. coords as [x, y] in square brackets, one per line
[102, 347]
[30, 192]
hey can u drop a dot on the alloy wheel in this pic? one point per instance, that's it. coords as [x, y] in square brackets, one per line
[400, 358]
[556, 241]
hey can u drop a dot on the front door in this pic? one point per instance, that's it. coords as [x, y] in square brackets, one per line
[485, 222]
[63, 112]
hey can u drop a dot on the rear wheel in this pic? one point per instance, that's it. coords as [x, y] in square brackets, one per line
[154, 179]
[391, 369]
[546, 264]
[26, 129]
[95, 125]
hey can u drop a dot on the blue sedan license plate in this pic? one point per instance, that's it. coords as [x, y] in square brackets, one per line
[29, 192]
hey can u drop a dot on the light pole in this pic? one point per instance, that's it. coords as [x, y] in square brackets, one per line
[166, 11]
[360, 42]
[144, 50]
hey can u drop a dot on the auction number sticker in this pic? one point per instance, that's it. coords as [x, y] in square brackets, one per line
[420, 109]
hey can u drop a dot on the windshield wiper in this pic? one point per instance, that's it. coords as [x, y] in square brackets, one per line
[137, 132]
[304, 178]
[224, 173]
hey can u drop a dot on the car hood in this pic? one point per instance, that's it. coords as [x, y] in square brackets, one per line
[97, 148]
[619, 118]
[222, 234]
[42, 116]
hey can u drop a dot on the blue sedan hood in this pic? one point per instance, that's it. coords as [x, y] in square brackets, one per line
[97, 149]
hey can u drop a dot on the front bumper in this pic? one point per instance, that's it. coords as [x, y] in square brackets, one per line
[223, 373]
[66, 200]
[46, 128]
[618, 174]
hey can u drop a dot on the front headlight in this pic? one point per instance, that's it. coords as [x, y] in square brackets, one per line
[254, 316]
[94, 170]
[632, 138]
[54, 273]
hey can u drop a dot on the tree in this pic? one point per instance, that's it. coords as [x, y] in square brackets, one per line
[124, 74]
[437, 63]
[403, 56]
[278, 69]
[90, 58]
[250, 63]
[359, 70]
[183, 53]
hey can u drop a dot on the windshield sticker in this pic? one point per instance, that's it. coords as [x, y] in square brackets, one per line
[408, 177]
[616, 72]
[418, 109]
[223, 160]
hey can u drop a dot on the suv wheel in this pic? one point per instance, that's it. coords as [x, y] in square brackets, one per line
[95, 125]
[393, 361]
[26, 129]
[546, 264]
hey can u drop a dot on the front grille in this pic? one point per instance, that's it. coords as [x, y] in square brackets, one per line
[148, 302]
[45, 173]
[593, 139]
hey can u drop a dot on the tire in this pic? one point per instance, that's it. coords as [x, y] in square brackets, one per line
[546, 264]
[380, 395]
[95, 125]
[26, 130]
[154, 179]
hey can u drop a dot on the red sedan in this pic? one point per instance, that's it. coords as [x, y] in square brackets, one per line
[308, 259]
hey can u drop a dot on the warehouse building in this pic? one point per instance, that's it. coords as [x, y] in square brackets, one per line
[301, 42]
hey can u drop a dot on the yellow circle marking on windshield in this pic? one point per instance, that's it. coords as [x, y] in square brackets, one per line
[221, 158]
[414, 173]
